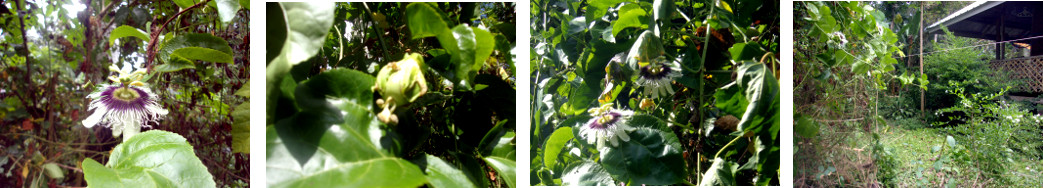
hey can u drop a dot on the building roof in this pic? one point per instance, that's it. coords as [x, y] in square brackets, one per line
[982, 20]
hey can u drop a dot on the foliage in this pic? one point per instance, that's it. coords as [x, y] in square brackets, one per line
[56, 53]
[436, 119]
[887, 164]
[590, 60]
[966, 66]
[150, 159]
[988, 141]
[846, 61]
[996, 130]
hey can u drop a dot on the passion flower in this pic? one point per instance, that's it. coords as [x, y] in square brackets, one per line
[125, 106]
[608, 125]
[657, 76]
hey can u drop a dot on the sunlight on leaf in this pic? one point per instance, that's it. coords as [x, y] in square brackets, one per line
[150, 159]
[127, 31]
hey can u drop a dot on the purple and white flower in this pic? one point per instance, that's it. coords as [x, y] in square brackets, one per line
[125, 106]
[607, 125]
[657, 76]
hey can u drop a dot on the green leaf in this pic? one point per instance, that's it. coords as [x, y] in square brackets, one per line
[906, 78]
[826, 23]
[127, 31]
[651, 157]
[53, 171]
[175, 66]
[241, 128]
[664, 10]
[731, 100]
[829, 60]
[505, 147]
[335, 139]
[860, 68]
[647, 48]
[226, 9]
[630, 15]
[186, 3]
[597, 8]
[484, 44]
[425, 20]
[244, 91]
[470, 55]
[468, 47]
[441, 174]
[586, 173]
[843, 57]
[951, 141]
[202, 54]
[151, 159]
[545, 177]
[721, 173]
[888, 63]
[762, 92]
[580, 99]
[307, 25]
[553, 147]
[244, 3]
[576, 25]
[806, 127]
[276, 31]
[504, 168]
[181, 52]
[746, 51]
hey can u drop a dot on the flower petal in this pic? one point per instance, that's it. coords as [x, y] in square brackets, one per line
[622, 134]
[117, 130]
[95, 118]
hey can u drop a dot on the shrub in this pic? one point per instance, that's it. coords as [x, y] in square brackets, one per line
[1000, 132]
[967, 66]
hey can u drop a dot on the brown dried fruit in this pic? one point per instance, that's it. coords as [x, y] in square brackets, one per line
[727, 122]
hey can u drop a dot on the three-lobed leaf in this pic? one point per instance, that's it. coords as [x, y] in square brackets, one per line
[150, 159]
[651, 157]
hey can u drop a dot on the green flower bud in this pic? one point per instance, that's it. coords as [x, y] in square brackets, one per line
[645, 49]
[400, 83]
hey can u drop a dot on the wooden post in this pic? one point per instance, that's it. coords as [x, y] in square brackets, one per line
[922, 91]
[1001, 48]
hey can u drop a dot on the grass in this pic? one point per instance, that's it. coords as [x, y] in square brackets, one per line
[841, 156]
[912, 148]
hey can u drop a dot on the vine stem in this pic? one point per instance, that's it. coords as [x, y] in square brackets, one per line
[702, 99]
[689, 183]
[155, 35]
[726, 147]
